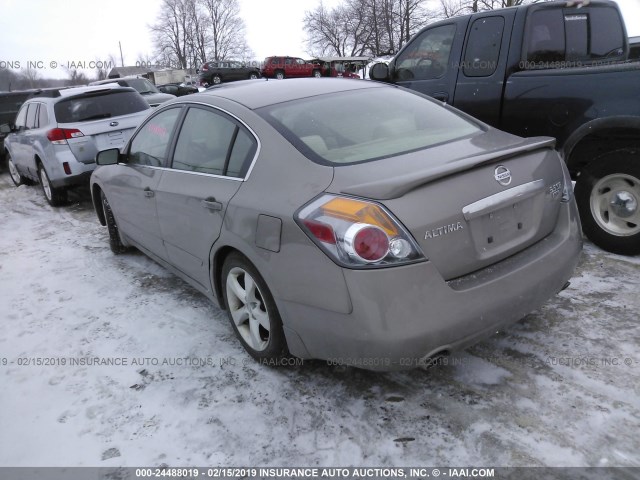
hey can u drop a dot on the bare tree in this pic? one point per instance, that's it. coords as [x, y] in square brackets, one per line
[413, 16]
[327, 30]
[359, 27]
[103, 67]
[8, 79]
[76, 77]
[171, 33]
[452, 8]
[199, 36]
[226, 29]
[187, 33]
[30, 77]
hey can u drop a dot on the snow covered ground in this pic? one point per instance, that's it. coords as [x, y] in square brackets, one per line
[560, 388]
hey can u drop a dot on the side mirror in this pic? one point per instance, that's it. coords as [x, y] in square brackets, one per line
[380, 72]
[108, 157]
[5, 128]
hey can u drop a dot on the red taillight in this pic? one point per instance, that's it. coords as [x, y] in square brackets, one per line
[59, 136]
[205, 67]
[357, 233]
[368, 242]
[321, 231]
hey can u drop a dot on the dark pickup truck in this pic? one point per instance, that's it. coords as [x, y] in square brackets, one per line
[559, 69]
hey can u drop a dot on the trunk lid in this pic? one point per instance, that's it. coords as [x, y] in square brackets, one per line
[469, 203]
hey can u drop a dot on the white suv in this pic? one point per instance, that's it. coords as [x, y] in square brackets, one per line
[57, 134]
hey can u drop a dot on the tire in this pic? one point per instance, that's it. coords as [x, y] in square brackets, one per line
[253, 76]
[55, 196]
[279, 74]
[252, 311]
[608, 196]
[316, 74]
[216, 80]
[16, 178]
[115, 242]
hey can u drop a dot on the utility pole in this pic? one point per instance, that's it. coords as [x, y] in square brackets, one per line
[121, 57]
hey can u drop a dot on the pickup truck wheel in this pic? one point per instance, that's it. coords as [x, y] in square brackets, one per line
[316, 74]
[279, 75]
[55, 196]
[216, 80]
[252, 311]
[253, 76]
[115, 242]
[608, 197]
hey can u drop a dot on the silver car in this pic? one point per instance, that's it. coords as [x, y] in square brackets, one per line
[354, 222]
[144, 87]
[58, 132]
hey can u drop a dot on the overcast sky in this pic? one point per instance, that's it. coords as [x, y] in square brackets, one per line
[56, 34]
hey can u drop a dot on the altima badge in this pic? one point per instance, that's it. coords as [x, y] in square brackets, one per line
[502, 175]
[444, 230]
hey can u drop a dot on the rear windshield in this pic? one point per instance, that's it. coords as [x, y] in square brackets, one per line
[570, 37]
[96, 106]
[142, 85]
[352, 127]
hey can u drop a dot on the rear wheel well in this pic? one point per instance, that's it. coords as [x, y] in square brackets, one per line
[218, 262]
[595, 145]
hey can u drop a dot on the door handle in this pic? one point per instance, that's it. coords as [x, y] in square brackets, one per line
[148, 192]
[211, 204]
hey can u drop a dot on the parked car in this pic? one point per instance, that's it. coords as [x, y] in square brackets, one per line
[10, 103]
[213, 73]
[290, 67]
[341, 67]
[546, 68]
[144, 87]
[177, 89]
[57, 134]
[402, 228]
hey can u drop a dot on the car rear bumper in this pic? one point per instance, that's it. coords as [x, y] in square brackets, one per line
[403, 316]
[80, 172]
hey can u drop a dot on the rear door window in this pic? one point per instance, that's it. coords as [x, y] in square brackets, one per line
[211, 142]
[32, 115]
[43, 116]
[483, 47]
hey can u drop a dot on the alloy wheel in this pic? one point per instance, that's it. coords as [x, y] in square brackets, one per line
[248, 309]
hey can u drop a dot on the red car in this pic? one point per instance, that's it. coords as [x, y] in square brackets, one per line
[290, 67]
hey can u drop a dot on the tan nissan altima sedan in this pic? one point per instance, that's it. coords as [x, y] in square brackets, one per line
[350, 221]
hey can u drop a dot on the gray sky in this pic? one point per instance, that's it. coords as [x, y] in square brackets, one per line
[82, 31]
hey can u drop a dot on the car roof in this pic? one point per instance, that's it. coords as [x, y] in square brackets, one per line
[115, 80]
[260, 93]
[69, 92]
